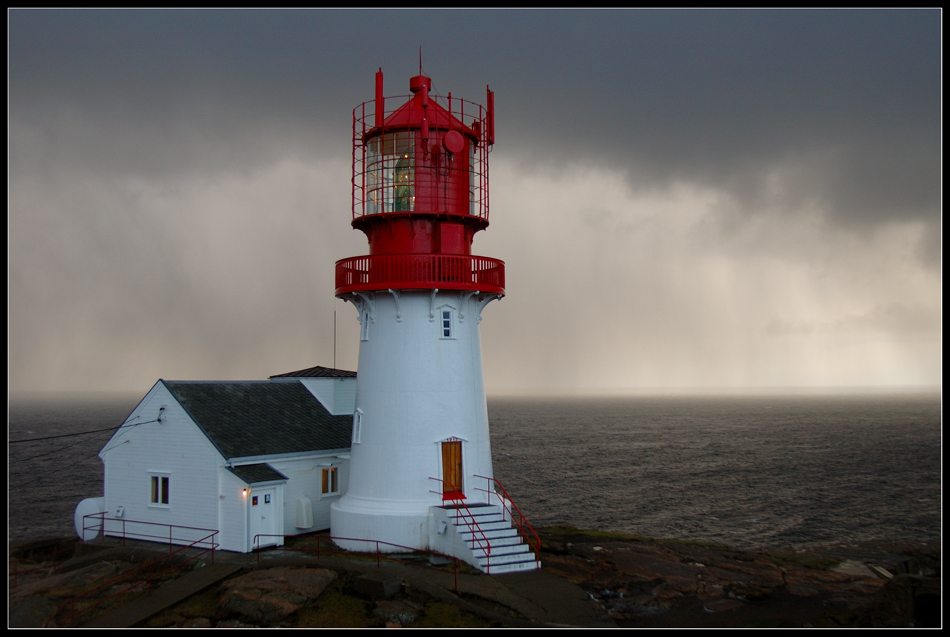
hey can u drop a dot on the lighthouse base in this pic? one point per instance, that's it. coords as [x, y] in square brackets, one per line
[398, 530]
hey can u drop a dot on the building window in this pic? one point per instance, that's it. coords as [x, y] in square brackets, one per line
[159, 489]
[364, 327]
[445, 323]
[357, 425]
[331, 482]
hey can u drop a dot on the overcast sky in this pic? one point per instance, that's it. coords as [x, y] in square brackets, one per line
[685, 200]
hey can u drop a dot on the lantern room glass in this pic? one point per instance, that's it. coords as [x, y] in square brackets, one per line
[390, 174]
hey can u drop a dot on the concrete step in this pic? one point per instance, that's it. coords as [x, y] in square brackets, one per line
[497, 551]
[487, 526]
[479, 512]
[478, 519]
[506, 540]
[469, 536]
[511, 558]
[474, 508]
[512, 567]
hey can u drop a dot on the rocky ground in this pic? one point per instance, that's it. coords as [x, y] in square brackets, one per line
[630, 582]
[640, 582]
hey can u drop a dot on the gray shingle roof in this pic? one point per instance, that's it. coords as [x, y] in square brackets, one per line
[317, 372]
[258, 418]
[257, 473]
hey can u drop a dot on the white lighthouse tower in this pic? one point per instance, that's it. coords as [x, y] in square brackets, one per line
[421, 470]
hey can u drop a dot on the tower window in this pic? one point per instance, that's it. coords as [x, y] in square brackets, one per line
[446, 323]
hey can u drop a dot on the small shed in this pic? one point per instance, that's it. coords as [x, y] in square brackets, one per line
[253, 460]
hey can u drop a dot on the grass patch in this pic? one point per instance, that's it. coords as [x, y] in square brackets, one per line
[335, 609]
[440, 615]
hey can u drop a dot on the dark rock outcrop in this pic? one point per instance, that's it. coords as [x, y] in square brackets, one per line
[268, 596]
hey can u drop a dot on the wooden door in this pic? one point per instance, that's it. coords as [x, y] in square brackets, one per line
[452, 470]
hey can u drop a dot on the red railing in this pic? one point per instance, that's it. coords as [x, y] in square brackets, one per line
[380, 556]
[521, 522]
[97, 522]
[470, 521]
[72, 617]
[420, 271]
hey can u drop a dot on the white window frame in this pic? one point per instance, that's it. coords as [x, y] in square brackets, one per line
[332, 479]
[159, 486]
[442, 322]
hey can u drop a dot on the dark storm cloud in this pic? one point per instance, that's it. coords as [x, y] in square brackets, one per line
[754, 183]
[845, 103]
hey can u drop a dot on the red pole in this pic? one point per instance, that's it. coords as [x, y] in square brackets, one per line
[380, 99]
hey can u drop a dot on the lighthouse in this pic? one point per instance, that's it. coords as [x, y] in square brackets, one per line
[421, 470]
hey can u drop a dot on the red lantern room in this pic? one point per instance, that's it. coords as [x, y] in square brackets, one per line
[420, 193]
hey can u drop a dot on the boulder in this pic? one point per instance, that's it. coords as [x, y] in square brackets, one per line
[269, 595]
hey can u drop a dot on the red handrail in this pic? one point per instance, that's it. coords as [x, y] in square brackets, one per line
[521, 522]
[379, 556]
[100, 525]
[469, 522]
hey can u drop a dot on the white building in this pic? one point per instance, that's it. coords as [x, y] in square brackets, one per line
[253, 460]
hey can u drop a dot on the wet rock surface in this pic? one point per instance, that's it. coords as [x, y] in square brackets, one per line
[270, 595]
[629, 582]
[641, 582]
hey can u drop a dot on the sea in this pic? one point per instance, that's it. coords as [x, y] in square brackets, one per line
[759, 471]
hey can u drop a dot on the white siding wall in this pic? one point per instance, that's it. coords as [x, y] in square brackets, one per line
[305, 479]
[344, 396]
[174, 448]
[232, 512]
[322, 390]
[337, 395]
